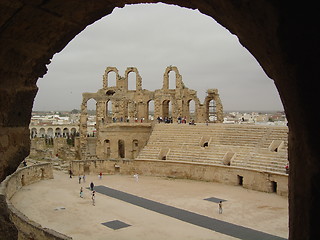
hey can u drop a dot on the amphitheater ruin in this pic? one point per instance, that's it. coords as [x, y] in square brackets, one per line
[173, 143]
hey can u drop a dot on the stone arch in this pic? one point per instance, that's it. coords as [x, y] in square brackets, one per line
[166, 106]
[178, 80]
[50, 132]
[57, 132]
[213, 106]
[42, 132]
[268, 29]
[150, 108]
[34, 132]
[65, 132]
[138, 78]
[73, 131]
[105, 77]
[192, 113]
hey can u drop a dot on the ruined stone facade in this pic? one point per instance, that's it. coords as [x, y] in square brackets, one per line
[123, 115]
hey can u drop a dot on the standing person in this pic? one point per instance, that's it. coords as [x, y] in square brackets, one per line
[79, 179]
[93, 197]
[70, 173]
[136, 176]
[91, 186]
[220, 207]
[100, 175]
[81, 192]
[84, 178]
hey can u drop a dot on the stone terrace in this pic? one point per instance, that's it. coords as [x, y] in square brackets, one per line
[263, 148]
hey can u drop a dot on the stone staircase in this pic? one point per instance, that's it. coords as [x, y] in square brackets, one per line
[263, 148]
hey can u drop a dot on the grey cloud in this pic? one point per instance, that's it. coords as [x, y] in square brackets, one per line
[151, 37]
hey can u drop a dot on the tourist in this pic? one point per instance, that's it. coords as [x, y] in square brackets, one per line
[136, 176]
[100, 175]
[91, 186]
[287, 168]
[84, 178]
[220, 207]
[81, 192]
[70, 173]
[79, 179]
[93, 197]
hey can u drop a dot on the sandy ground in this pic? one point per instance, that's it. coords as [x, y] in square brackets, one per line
[81, 220]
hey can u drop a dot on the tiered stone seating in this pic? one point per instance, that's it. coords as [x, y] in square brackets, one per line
[248, 145]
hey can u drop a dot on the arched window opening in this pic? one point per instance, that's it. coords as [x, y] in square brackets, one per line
[65, 133]
[150, 113]
[166, 110]
[112, 79]
[109, 112]
[107, 149]
[42, 133]
[57, 132]
[50, 132]
[191, 110]
[212, 113]
[91, 106]
[132, 76]
[121, 149]
[172, 80]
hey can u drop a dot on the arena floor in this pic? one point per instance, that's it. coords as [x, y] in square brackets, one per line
[152, 208]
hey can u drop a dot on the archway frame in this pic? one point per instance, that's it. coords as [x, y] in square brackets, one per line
[283, 38]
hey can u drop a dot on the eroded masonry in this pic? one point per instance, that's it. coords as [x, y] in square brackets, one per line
[124, 119]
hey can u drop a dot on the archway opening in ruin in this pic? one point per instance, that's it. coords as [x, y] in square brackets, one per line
[150, 110]
[166, 106]
[42, 132]
[57, 132]
[107, 148]
[166, 109]
[91, 105]
[109, 111]
[172, 80]
[132, 76]
[212, 111]
[191, 105]
[50, 132]
[112, 79]
[66, 133]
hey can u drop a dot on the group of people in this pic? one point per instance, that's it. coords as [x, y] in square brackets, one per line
[93, 193]
[180, 120]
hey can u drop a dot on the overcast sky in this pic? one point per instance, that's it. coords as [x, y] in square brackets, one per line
[152, 37]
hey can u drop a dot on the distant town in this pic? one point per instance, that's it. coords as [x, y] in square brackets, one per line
[232, 117]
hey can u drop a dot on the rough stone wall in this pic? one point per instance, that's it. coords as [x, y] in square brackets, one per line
[252, 179]
[282, 36]
[27, 229]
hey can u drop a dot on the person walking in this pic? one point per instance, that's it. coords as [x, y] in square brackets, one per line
[91, 186]
[79, 179]
[93, 197]
[220, 207]
[81, 192]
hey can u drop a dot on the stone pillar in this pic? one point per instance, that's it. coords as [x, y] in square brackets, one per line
[83, 130]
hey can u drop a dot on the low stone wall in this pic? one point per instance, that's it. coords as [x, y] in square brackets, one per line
[27, 229]
[248, 178]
